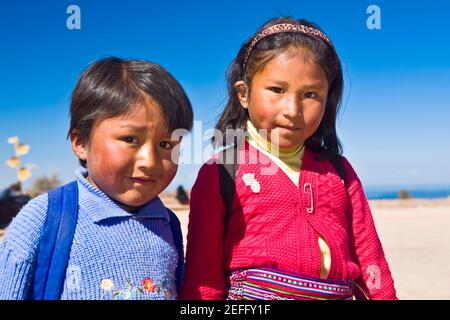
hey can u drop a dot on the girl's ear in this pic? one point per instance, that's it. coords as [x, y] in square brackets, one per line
[79, 146]
[242, 91]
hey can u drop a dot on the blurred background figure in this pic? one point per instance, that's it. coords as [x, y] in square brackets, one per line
[11, 201]
[182, 195]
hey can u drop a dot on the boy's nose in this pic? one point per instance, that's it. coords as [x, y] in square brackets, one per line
[147, 158]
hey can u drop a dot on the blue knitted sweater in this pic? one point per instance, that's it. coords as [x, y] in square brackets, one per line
[115, 254]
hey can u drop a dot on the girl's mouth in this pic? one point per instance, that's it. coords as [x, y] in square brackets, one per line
[291, 128]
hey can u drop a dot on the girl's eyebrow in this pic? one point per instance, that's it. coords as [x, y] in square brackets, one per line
[316, 85]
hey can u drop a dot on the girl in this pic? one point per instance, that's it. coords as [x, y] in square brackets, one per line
[122, 116]
[296, 232]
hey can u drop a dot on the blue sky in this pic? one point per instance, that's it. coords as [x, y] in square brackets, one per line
[396, 108]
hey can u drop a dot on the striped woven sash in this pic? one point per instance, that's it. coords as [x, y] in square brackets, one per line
[274, 284]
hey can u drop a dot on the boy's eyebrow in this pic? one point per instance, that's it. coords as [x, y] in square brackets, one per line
[132, 126]
[167, 136]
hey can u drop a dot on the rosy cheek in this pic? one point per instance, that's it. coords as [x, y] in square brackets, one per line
[261, 112]
[112, 158]
[170, 168]
[314, 121]
[267, 103]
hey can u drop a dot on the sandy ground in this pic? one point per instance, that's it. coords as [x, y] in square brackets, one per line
[416, 240]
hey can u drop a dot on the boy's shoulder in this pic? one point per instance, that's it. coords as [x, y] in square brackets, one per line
[23, 233]
[173, 217]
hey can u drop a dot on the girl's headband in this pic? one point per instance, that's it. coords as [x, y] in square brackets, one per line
[284, 27]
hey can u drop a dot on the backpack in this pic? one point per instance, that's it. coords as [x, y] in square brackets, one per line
[227, 176]
[56, 242]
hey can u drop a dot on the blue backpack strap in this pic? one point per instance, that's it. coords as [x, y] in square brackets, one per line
[55, 243]
[175, 226]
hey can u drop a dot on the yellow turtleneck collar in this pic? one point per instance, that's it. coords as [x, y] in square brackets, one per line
[263, 144]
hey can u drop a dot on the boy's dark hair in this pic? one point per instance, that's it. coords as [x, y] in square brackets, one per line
[234, 116]
[110, 86]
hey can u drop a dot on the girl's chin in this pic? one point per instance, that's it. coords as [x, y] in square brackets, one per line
[286, 144]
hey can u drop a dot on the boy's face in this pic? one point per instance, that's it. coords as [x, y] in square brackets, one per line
[130, 157]
[287, 98]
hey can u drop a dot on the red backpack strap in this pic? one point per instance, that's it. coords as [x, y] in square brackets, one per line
[228, 166]
[339, 167]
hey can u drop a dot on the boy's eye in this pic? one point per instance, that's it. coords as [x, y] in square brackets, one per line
[130, 139]
[310, 95]
[166, 145]
[276, 90]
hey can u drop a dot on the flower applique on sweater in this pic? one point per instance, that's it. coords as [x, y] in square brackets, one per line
[249, 180]
[147, 287]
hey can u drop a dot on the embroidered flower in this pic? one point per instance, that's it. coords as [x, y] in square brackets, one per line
[127, 294]
[148, 285]
[107, 284]
[249, 180]
[131, 291]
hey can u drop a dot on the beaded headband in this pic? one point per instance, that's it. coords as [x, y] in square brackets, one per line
[285, 27]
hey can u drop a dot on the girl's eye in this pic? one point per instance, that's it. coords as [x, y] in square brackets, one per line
[276, 90]
[166, 145]
[310, 95]
[130, 139]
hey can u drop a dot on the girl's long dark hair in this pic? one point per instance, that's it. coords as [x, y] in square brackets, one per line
[324, 141]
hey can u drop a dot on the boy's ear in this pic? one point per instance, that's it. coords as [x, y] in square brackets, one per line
[242, 91]
[79, 146]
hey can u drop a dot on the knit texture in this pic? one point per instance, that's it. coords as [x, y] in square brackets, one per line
[115, 254]
[277, 224]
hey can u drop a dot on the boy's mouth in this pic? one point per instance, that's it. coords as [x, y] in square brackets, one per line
[142, 180]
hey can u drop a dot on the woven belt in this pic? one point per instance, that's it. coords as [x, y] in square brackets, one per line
[274, 284]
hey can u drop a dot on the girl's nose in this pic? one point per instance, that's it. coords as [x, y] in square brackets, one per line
[293, 107]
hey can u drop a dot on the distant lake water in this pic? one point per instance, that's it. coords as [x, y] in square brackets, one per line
[392, 192]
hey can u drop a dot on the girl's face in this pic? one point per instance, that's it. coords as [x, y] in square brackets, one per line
[287, 98]
[129, 156]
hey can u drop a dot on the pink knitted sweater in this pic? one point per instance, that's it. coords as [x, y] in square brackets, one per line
[275, 223]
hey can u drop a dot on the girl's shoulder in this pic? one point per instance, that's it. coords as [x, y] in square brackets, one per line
[349, 170]
[23, 233]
